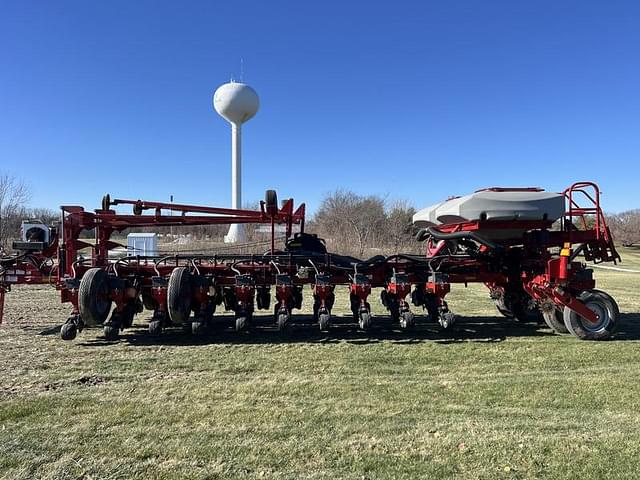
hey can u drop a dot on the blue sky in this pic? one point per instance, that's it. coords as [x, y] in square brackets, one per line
[414, 100]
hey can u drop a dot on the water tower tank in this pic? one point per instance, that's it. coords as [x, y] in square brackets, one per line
[236, 102]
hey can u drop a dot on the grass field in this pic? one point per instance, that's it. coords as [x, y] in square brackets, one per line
[492, 399]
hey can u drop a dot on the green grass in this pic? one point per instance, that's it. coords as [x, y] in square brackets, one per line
[493, 399]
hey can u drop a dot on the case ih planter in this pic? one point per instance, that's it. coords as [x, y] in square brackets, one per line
[523, 244]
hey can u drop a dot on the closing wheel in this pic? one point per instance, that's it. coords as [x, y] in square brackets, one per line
[242, 323]
[155, 327]
[198, 326]
[364, 320]
[111, 332]
[447, 320]
[502, 308]
[602, 328]
[407, 320]
[179, 295]
[94, 300]
[283, 321]
[68, 331]
[324, 321]
[554, 319]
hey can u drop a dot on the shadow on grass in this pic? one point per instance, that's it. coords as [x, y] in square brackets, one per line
[303, 330]
[628, 327]
[467, 329]
[49, 331]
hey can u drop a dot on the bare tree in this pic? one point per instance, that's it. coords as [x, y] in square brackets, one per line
[45, 215]
[345, 218]
[625, 226]
[13, 196]
[398, 231]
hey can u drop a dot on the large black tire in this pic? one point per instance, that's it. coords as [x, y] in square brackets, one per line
[603, 328]
[179, 295]
[94, 300]
[106, 202]
[555, 320]
[271, 202]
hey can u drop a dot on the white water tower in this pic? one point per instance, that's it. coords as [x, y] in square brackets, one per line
[236, 103]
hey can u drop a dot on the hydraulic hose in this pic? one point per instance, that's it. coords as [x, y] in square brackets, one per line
[438, 235]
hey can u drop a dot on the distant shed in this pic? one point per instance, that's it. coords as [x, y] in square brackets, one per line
[143, 244]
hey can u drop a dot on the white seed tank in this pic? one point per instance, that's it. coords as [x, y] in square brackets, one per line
[495, 205]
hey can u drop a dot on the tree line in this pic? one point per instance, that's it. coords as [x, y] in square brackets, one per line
[360, 225]
[625, 227]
